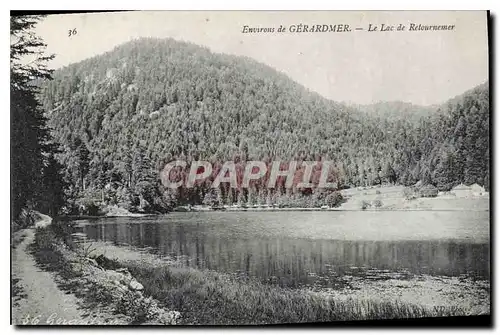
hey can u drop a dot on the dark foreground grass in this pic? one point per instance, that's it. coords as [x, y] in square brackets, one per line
[47, 255]
[206, 297]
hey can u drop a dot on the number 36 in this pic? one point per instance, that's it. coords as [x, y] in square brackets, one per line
[72, 32]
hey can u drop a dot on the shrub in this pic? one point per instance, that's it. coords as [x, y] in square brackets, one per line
[377, 203]
[409, 193]
[377, 192]
[87, 206]
[26, 218]
[64, 229]
[124, 198]
[365, 204]
[429, 191]
[334, 199]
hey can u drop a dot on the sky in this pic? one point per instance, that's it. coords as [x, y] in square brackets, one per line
[359, 66]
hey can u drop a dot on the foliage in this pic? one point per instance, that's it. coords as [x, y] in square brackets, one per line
[212, 199]
[88, 206]
[121, 116]
[428, 191]
[25, 219]
[365, 204]
[35, 174]
[334, 199]
[409, 193]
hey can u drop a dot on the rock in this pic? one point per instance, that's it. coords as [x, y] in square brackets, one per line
[106, 263]
[117, 211]
[92, 262]
[43, 220]
[135, 285]
[169, 318]
[124, 271]
[122, 288]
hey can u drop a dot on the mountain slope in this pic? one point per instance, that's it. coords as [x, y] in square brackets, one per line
[120, 116]
[396, 109]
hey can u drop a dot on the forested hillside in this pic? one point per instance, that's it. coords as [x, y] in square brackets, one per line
[396, 110]
[119, 117]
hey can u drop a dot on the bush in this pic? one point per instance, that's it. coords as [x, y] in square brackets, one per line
[377, 203]
[409, 193]
[63, 230]
[91, 209]
[87, 206]
[377, 192]
[365, 204]
[124, 198]
[26, 218]
[334, 199]
[429, 191]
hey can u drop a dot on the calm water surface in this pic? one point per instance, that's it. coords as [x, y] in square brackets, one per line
[306, 248]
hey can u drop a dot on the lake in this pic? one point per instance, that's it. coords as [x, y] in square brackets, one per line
[296, 249]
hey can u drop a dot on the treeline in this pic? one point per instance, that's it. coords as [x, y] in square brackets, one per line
[121, 116]
[217, 189]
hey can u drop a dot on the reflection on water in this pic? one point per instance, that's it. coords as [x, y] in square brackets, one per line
[292, 261]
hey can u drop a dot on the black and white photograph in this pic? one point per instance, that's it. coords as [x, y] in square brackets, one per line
[235, 168]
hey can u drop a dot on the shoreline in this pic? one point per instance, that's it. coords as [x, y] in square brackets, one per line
[375, 199]
[91, 217]
[299, 209]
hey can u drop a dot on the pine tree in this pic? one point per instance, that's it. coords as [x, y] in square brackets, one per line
[388, 173]
[53, 187]
[29, 133]
[442, 176]
[82, 160]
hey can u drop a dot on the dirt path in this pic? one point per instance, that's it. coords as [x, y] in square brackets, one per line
[39, 301]
[36, 298]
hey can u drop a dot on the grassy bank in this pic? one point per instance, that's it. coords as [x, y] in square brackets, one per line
[206, 297]
[115, 296]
